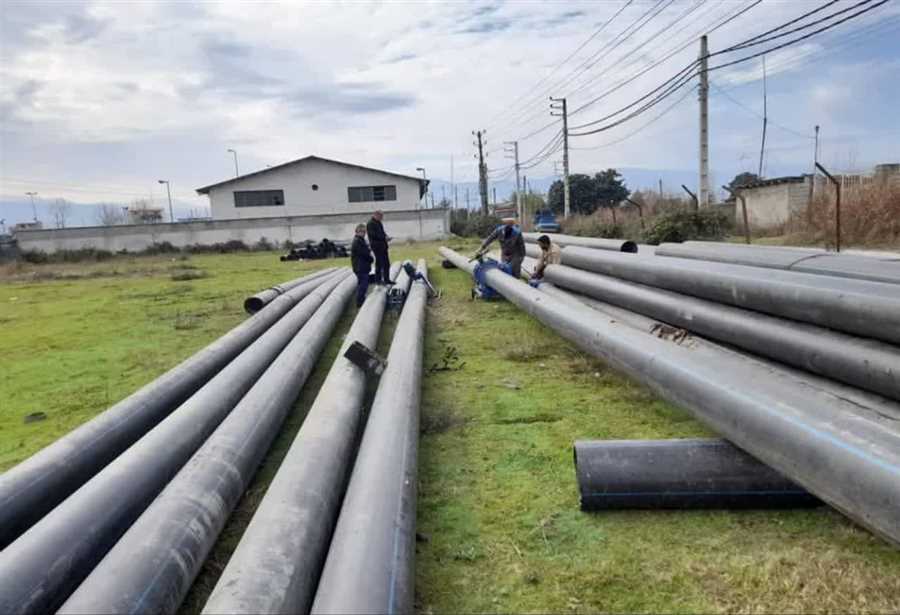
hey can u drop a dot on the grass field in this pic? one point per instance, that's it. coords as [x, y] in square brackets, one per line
[498, 503]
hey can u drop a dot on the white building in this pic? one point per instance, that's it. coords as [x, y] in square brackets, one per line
[771, 202]
[313, 186]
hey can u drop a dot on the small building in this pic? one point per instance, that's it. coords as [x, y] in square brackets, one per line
[771, 202]
[313, 186]
[144, 215]
[27, 226]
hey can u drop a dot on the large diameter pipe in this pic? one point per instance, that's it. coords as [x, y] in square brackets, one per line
[861, 362]
[42, 567]
[869, 309]
[370, 566]
[276, 565]
[792, 259]
[682, 474]
[843, 451]
[596, 243]
[151, 568]
[256, 302]
[33, 488]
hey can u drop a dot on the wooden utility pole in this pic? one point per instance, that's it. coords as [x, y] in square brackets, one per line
[704, 123]
[482, 172]
[559, 104]
[514, 150]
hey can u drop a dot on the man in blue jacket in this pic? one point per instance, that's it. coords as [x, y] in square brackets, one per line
[361, 261]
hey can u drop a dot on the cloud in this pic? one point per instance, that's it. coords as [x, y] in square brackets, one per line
[362, 98]
[484, 27]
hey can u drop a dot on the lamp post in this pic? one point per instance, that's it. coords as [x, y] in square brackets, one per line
[234, 153]
[169, 192]
[33, 208]
[424, 177]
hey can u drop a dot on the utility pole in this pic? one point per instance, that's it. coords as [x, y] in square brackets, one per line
[467, 199]
[169, 192]
[704, 123]
[762, 147]
[515, 156]
[452, 182]
[482, 172]
[812, 176]
[559, 104]
[33, 208]
[236, 174]
[495, 195]
[660, 188]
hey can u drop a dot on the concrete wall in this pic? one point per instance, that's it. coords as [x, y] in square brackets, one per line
[773, 205]
[300, 199]
[423, 224]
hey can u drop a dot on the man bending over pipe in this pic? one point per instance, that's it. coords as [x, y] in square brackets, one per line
[361, 261]
[550, 255]
[512, 245]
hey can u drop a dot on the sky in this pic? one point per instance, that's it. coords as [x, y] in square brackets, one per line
[100, 100]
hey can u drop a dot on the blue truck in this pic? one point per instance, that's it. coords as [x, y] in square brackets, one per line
[545, 222]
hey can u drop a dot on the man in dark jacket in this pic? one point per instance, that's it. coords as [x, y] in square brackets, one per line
[361, 261]
[378, 239]
[512, 245]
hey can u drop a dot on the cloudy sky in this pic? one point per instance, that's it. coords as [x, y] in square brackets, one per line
[98, 100]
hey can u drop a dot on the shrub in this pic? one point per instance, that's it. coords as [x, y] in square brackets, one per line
[684, 225]
[465, 223]
[162, 247]
[66, 256]
[263, 245]
[592, 226]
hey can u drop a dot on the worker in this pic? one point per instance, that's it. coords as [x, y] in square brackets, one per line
[361, 261]
[550, 255]
[512, 245]
[378, 239]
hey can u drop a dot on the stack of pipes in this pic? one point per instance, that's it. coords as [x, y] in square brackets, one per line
[120, 514]
[808, 378]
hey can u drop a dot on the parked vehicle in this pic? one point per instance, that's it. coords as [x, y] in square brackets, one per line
[545, 222]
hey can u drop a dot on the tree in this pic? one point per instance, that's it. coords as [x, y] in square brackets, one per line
[110, 215]
[742, 179]
[610, 190]
[60, 209]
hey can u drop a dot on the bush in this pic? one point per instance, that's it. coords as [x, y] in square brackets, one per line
[163, 247]
[39, 257]
[684, 225]
[465, 223]
[263, 245]
[592, 226]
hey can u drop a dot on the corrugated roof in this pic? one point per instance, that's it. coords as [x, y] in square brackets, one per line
[206, 189]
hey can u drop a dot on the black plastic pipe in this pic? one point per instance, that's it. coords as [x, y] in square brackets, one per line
[861, 362]
[370, 566]
[42, 567]
[256, 302]
[689, 473]
[276, 565]
[844, 451]
[151, 568]
[792, 259]
[596, 243]
[869, 309]
[33, 488]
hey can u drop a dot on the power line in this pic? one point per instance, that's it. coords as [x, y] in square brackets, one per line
[745, 107]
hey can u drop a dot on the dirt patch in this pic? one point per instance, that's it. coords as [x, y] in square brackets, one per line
[438, 420]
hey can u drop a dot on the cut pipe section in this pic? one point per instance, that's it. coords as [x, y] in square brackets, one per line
[681, 474]
[370, 566]
[43, 566]
[33, 488]
[256, 302]
[846, 452]
[869, 309]
[151, 568]
[276, 565]
[818, 262]
[861, 362]
[596, 243]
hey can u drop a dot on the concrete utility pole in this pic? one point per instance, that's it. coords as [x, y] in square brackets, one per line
[703, 93]
[467, 199]
[560, 105]
[812, 176]
[482, 172]
[452, 182]
[495, 195]
[169, 192]
[33, 208]
[660, 188]
[236, 174]
[762, 147]
[514, 150]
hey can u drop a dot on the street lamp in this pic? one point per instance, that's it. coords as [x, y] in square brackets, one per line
[169, 192]
[234, 153]
[425, 177]
[33, 208]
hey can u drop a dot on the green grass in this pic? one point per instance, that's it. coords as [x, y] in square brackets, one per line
[498, 502]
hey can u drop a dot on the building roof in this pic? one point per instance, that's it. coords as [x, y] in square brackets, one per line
[423, 183]
[790, 179]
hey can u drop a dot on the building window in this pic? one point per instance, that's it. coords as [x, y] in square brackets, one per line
[363, 194]
[258, 198]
